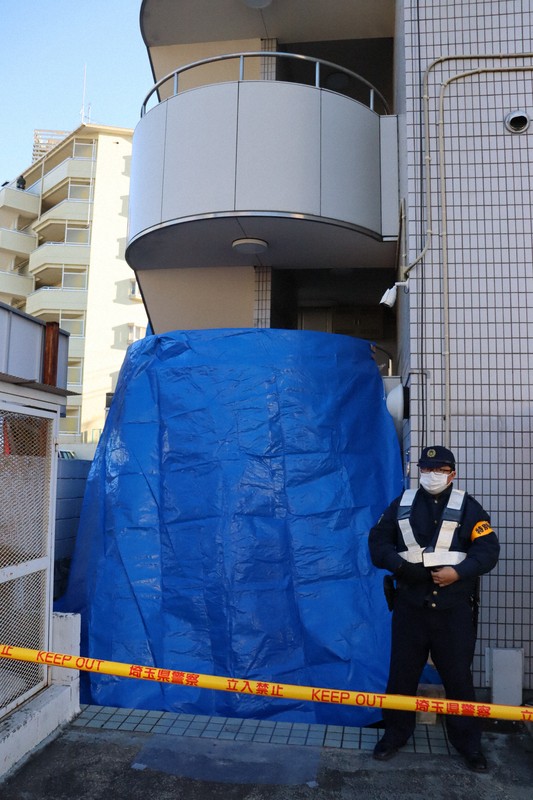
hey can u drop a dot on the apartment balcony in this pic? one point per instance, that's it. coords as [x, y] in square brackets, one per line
[54, 299]
[77, 168]
[15, 285]
[19, 201]
[71, 210]
[58, 254]
[17, 242]
[310, 173]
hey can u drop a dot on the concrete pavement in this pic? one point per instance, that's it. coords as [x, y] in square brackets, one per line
[92, 760]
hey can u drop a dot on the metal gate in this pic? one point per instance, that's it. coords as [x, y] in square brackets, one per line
[27, 473]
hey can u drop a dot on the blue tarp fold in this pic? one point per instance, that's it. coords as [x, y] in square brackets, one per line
[224, 527]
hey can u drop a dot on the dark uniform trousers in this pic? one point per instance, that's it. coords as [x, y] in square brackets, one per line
[449, 636]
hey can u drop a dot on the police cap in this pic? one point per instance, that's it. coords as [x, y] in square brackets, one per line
[436, 456]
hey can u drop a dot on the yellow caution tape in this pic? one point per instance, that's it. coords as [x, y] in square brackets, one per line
[269, 689]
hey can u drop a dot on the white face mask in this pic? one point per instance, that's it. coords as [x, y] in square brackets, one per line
[434, 482]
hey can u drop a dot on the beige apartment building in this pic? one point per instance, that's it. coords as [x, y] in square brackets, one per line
[63, 228]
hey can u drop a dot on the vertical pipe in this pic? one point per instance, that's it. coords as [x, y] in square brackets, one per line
[51, 349]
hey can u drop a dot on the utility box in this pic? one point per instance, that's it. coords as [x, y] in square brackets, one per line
[431, 690]
[505, 671]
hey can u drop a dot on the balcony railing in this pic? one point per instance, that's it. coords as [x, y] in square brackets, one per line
[173, 77]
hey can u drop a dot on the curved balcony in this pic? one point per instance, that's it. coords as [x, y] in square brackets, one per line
[310, 172]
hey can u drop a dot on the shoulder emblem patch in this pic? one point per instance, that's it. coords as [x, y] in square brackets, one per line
[480, 529]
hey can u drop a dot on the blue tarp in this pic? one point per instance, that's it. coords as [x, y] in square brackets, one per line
[225, 521]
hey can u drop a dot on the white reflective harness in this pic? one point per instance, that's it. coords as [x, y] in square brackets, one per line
[439, 552]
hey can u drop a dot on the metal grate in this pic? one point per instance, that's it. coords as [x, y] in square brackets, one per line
[25, 478]
[22, 624]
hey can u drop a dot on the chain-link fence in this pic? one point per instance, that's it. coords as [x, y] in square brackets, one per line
[26, 447]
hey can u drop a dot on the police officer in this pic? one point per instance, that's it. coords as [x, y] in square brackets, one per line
[436, 541]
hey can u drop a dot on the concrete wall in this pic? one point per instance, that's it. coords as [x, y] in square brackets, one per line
[44, 715]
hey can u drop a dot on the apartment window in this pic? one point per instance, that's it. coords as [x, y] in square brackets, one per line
[83, 149]
[79, 191]
[77, 234]
[74, 323]
[134, 293]
[74, 279]
[74, 371]
[135, 332]
[70, 423]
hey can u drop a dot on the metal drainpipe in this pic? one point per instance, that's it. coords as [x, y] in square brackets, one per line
[444, 234]
[427, 160]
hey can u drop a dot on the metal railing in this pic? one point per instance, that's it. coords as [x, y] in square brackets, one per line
[319, 64]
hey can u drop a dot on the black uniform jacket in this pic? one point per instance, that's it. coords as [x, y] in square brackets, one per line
[414, 582]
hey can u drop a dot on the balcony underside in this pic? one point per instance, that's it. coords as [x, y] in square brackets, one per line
[293, 241]
[167, 22]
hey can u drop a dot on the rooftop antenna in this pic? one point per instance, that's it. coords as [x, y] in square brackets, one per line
[85, 117]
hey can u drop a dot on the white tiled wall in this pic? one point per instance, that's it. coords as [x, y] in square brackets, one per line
[479, 265]
[262, 297]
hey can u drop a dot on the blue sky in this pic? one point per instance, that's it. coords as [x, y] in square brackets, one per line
[46, 48]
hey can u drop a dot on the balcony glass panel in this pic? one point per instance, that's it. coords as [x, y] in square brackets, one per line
[74, 373]
[83, 149]
[75, 235]
[79, 191]
[75, 279]
[71, 422]
[75, 325]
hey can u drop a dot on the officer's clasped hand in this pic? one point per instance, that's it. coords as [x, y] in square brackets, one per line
[444, 576]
